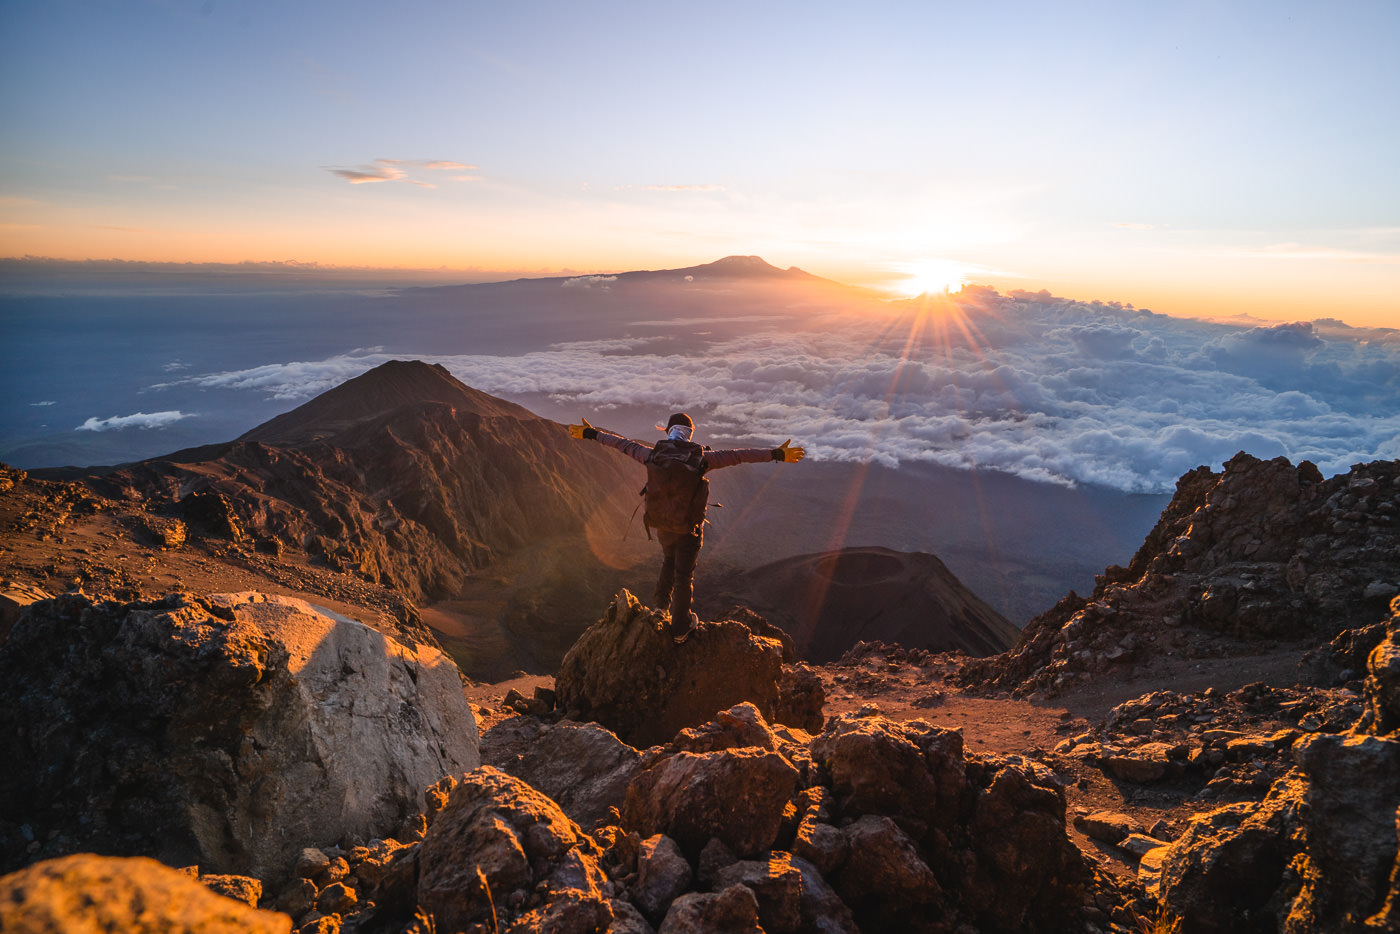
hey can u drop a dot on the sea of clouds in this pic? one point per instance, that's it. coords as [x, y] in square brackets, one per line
[1045, 388]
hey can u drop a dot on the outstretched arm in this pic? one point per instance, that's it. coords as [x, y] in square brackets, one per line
[633, 449]
[784, 453]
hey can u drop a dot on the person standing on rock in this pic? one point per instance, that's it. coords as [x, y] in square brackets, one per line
[676, 496]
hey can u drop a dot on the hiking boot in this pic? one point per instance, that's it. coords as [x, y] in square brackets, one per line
[678, 636]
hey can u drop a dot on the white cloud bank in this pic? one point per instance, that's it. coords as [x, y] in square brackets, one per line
[1045, 388]
[139, 420]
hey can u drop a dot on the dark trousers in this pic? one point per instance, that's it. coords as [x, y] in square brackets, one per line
[676, 585]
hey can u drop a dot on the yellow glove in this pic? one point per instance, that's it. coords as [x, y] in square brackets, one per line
[583, 431]
[788, 455]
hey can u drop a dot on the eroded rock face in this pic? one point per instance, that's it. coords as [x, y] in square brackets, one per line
[625, 673]
[1320, 853]
[498, 848]
[228, 732]
[1263, 550]
[135, 895]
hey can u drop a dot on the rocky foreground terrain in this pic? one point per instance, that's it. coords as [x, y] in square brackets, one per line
[206, 731]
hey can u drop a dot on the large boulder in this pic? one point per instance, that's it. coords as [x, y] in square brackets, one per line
[1223, 873]
[912, 772]
[627, 674]
[500, 853]
[135, 895]
[229, 732]
[737, 796]
[584, 767]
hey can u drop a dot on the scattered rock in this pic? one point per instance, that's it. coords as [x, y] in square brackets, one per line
[777, 885]
[1108, 826]
[731, 911]
[239, 888]
[662, 875]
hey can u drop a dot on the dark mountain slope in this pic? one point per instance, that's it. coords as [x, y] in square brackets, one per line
[830, 601]
[403, 476]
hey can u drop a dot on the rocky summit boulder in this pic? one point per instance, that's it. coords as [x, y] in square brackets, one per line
[499, 853]
[228, 732]
[582, 766]
[625, 673]
[737, 796]
[134, 895]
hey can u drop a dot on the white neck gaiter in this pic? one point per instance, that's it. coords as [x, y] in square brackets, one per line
[679, 433]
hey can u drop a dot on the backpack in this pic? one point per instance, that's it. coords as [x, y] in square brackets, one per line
[677, 492]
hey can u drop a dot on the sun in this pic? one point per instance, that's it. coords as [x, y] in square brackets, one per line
[932, 276]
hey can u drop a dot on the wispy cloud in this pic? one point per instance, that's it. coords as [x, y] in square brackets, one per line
[587, 282]
[141, 420]
[685, 188]
[383, 170]
[399, 170]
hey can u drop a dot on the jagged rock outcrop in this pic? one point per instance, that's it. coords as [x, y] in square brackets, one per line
[832, 600]
[625, 673]
[1264, 550]
[228, 732]
[1320, 854]
[134, 895]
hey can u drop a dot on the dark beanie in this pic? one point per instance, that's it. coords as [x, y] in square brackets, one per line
[680, 418]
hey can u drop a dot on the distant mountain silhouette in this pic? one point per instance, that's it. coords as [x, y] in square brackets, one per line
[732, 267]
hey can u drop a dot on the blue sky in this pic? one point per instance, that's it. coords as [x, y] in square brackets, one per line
[1196, 158]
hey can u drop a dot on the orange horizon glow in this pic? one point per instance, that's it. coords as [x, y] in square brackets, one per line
[1280, 292]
